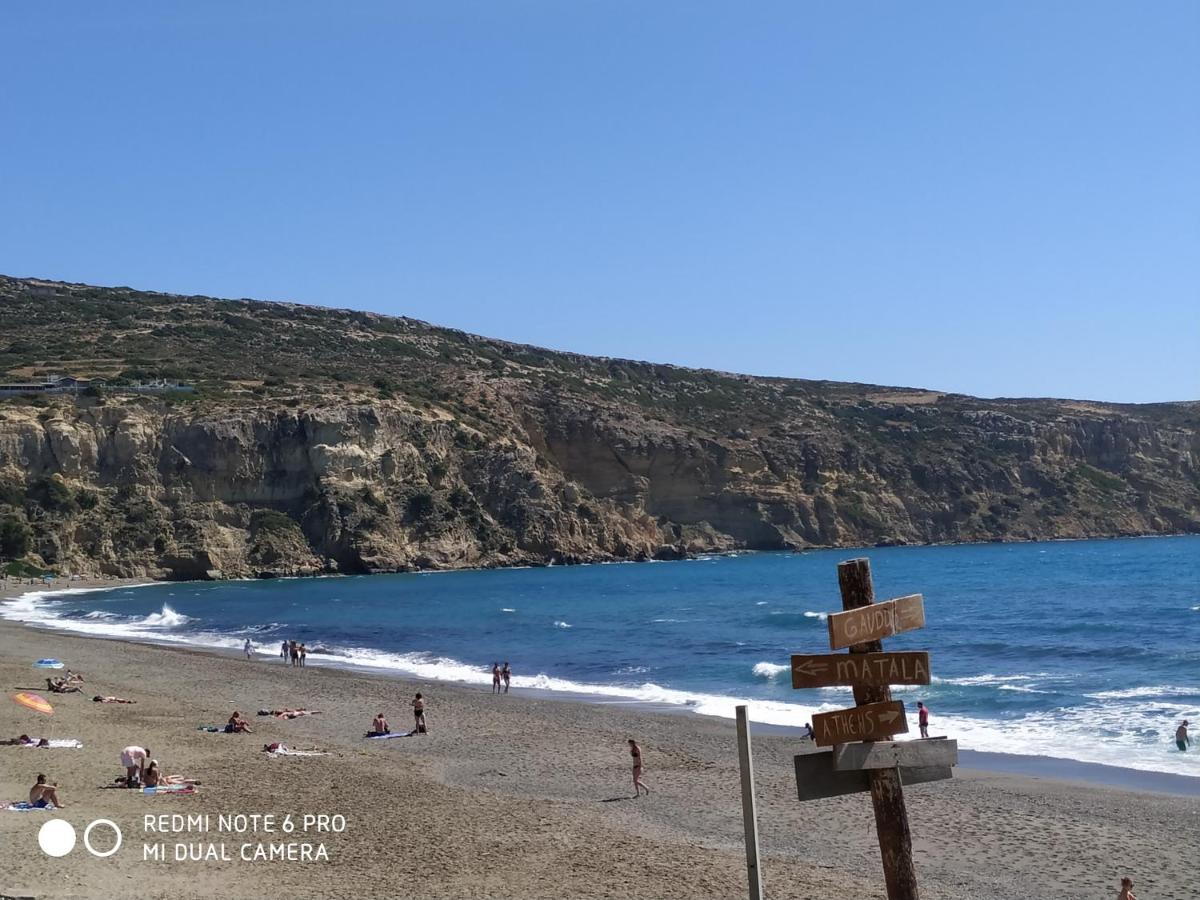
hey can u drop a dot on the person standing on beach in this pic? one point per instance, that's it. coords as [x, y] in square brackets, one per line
[1182, 740]
[495, 678]
[283, 651]
[294, 650]
[418, 706]
[923, 718]
[303, 655]
[506, 674]
[134, 761]
[1126, 889]
[247, 650]
[638, 785]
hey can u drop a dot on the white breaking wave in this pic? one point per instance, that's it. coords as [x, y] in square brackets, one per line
[562, 624]
[1146, 693]
[809, 614]
[506, 609]
[1122, 731]
[167, 618]
[769, 669]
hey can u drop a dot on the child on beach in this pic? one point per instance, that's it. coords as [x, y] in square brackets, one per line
[418, 706]
[638, 786]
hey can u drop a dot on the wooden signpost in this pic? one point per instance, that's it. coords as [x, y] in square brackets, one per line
[863, 758]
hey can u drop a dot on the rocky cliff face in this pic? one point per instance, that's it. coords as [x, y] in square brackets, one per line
[485, 454]
[372, 487]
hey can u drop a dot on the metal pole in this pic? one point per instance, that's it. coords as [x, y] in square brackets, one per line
[749, 814]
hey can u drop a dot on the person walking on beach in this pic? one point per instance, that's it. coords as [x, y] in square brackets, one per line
[638, 785]
[1126, 889]
[283, 651]
[506, 674]
[923, 718]
[246, 649]
[495, 678]
[418, 706]
[1182, 740]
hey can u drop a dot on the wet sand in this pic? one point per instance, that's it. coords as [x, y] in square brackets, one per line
[515, 796]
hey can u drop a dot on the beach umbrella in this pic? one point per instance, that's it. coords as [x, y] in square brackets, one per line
[48, 664]
[34, 702]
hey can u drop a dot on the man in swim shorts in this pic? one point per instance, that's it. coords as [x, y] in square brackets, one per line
[42, 795]
[134, 761]
[1182, 740]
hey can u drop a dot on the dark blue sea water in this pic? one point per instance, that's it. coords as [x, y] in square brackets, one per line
[1088, 649]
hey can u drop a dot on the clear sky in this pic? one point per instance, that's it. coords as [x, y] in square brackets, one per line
[994, 198]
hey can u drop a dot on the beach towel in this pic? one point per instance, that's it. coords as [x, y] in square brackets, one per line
[372, 736]
[170, 789]
[24, 806]
[285, 751]
[213, 728]
[58, 744]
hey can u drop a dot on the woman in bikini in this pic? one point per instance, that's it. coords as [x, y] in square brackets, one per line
[638, 785]
[495, 678]
[418, 706]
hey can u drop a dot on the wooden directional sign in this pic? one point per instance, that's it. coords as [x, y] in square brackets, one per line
[881, 669]
[816, 778]
[890, 754]
[869, 722]
[875, 621]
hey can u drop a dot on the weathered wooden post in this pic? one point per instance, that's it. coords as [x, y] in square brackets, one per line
[749, 812]
[887, 795]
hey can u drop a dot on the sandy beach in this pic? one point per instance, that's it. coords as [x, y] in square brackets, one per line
[510, 796]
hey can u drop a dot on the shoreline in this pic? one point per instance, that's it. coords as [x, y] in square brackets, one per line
[1058, 769]
[523, 795]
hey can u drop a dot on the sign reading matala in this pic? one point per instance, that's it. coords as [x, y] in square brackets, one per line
[869, 722]
[859, 669]
[876, 621]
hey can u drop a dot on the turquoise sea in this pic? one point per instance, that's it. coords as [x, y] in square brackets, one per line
[1088, 650]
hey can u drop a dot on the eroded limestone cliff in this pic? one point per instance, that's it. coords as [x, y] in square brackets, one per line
[491, 454]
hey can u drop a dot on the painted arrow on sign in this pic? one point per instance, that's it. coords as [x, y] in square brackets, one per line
[875, 621]
[860, 669]
[869, 722]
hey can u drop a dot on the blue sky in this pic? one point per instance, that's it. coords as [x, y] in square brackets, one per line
[1000, 199]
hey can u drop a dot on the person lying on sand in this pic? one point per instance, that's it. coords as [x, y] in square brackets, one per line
[73, 677]
[237, 725]
[101, 699]
[22, 741]
[42, 795]
[289, 713]
[380, 725]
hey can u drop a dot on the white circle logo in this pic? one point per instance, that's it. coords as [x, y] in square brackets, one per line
[57, 837]
[87, 835]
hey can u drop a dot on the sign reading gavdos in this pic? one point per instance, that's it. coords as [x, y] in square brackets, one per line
[869, 722]
[858, 669]
[876, 621]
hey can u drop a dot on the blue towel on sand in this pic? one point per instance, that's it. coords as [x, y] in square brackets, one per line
[24, 806]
